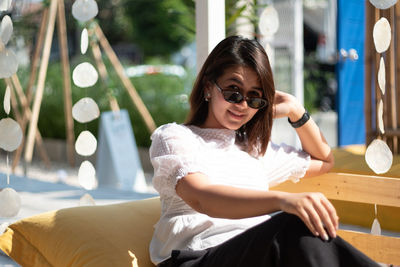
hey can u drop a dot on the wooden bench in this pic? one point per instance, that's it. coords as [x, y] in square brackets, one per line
[363, 189]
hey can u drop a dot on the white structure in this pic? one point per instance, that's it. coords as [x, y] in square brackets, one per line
[210, 27]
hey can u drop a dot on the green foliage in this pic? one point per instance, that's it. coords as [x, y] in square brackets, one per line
[159, 28]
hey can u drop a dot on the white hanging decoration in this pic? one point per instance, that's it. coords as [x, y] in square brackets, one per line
[378, 156]
[7, 101]
[6, 29]
[85, 75]
[376, 226]
[87, 175]
[87, 200]
[383, 4]
[3, 227]
[84, 41]
[269, 21]
[84, 10]
[382, 76]
[10, 202]
[85, 110]
[5, 5]
[382, 35]
[86, 144]
[8, 63]
[10, 134]
[380, 117]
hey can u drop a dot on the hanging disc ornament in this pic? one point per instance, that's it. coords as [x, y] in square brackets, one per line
[84, 41]
[382, 35]
[6, 29]
[383, 4]
[86, 144]
[10, 135]
[84, 10]
[7, 100]
[87, 175]
[269, 21]
[85, 110]
[382, 76]
[5, 5]
[84, 75]
[380, 117]
[87, 200]
[378, 156]
[10, 202]
[8, 63]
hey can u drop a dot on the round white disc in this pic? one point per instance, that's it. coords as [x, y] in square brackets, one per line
[383, 4]
[382, 35]
[10, 202]
[85, 110]
[87, 175]
[378, 156]
[10, 134]
[84, 10]
[8, 63]
[84, 75]
[86, 144]
[6, 29]
[269, 21]
[84, 41]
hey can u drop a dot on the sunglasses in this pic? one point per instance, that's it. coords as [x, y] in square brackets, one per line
[236, 97]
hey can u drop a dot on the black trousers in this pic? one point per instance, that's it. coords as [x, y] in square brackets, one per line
[282, 241]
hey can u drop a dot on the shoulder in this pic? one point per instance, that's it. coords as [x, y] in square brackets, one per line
[173, 138]
[171, 130]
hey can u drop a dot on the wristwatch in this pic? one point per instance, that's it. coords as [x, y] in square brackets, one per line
[301, 121]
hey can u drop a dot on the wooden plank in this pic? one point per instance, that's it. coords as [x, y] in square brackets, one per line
[62, 40]
[30, 140]
[151, 126]
[349, 187]
[382, 249]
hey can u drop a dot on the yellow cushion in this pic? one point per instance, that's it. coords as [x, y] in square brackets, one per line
[110, 235]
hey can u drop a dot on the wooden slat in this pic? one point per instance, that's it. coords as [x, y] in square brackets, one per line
[368, 59]
[350, 187]
[382, 249]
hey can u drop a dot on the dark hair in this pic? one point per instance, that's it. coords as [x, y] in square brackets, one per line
[230, 52]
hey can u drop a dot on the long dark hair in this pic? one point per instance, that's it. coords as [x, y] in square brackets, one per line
[230, 52]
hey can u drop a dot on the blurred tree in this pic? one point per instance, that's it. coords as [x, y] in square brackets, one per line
[159, 28]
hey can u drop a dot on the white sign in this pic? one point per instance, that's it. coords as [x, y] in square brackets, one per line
[118, 163]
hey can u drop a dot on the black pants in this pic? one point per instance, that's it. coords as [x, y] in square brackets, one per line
[282, 241]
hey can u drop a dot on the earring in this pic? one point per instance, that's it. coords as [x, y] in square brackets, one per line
[207, 98]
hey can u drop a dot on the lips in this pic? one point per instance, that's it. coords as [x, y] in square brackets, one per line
[236, 115]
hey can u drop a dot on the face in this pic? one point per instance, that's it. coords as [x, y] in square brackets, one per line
[225, 115]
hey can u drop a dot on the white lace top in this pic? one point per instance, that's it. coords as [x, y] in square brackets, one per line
[177, 150]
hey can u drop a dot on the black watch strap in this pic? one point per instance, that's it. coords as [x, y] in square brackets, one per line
[301, 121]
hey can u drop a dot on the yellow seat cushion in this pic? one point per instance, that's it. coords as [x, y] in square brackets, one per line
[109, 235]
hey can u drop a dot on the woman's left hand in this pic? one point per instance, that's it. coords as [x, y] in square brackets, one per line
[286, 105]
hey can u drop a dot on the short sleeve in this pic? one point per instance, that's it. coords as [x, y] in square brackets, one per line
[284, 162]
[173, 154]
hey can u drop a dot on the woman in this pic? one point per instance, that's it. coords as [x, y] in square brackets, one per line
[213, 174]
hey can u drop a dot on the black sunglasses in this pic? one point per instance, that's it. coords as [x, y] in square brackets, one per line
[236, 97]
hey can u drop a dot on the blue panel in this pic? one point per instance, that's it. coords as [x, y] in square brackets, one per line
[350, 74]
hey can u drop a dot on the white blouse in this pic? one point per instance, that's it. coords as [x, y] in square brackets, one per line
[177, 150]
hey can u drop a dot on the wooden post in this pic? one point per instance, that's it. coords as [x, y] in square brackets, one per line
[62, 38]
[41, 80]
[369, 10]
[397, 60]
[36, 55]
[101, 67]
[392, 88]
[151, 126]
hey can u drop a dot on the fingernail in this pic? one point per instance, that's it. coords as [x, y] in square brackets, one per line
[325, 237]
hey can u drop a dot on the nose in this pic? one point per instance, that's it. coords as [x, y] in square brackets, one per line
[242, 104]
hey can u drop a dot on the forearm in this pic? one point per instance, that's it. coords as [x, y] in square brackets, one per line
[226, 201]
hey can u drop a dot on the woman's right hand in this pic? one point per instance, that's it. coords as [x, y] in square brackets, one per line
[315, 210]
